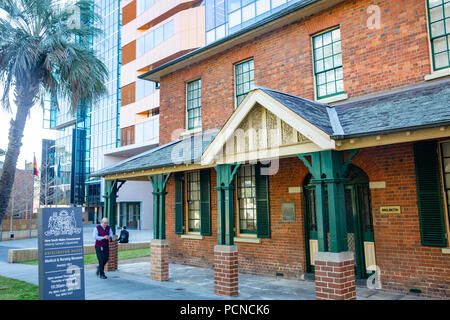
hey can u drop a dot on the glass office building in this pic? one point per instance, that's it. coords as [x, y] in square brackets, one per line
[223, 17]
[82, 138]
[104, 133]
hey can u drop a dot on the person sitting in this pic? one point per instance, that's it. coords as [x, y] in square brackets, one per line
[123, 238]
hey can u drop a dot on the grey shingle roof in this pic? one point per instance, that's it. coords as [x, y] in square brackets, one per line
[420, 106]
[314, 112]
[173, 153]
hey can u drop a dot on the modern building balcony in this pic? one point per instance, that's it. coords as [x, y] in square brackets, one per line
[140, 137]
[131, 113]
[142, 15]
[186, 32]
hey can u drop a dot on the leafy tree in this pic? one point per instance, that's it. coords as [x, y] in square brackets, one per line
[44, 50]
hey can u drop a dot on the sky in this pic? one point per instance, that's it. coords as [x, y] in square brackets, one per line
[33, 135]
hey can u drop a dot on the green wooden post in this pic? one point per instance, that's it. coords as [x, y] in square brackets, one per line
[334, 166]
[328, 169]
[229, 216]
[110, 205]
[322, 237]
[155, 215]
[162, 214]
[225, 200]
[220, 216]
[315, 168]
[159, 182]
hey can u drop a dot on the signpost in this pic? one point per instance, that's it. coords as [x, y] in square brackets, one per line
[61, 258]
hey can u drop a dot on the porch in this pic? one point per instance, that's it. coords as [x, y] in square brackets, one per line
[203, 217]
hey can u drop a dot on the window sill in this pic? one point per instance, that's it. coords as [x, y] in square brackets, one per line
[192, 236]
[247, 239]
[189, 132]
[446, 250]
[437, 74]
[336, 98]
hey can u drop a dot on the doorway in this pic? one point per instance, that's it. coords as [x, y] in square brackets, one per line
[358, 220]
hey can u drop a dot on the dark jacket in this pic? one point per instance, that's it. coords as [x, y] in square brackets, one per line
[123, 238]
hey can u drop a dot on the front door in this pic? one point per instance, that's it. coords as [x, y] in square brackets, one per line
[359, 224]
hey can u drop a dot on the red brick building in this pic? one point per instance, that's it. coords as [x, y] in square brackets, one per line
[340, 169]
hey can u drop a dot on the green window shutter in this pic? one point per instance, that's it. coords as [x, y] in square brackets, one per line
[429, 195]
[179, 218]
[262, 204]
[205, 206]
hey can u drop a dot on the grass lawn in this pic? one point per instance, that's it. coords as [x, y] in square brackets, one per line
[123, 255]
[11, 289]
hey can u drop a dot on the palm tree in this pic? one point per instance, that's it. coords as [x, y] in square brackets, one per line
[44, 50]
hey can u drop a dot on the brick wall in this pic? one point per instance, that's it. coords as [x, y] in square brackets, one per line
[374, 60]
[395, 55]
[283, 253]
[405, 264]
[18, 224]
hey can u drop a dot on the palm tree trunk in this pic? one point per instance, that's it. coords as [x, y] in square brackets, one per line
[12, 154]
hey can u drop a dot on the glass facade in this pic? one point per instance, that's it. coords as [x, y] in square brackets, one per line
[146, 131]
[143, 5]
[144, 88]
[439, 23]
[47, 183]
[63, 160]
[105, 131]
[153, 38]
[50, 112]
[224, 17]
[83, 137]
[328, 69]
[244, 74]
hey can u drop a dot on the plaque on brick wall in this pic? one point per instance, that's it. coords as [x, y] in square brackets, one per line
[60, 251]
[390, 210]
[288, 211]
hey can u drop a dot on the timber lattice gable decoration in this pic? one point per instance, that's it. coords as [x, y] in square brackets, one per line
[261, 135]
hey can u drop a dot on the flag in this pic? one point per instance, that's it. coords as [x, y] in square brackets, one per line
[58, 170]
[35, 168]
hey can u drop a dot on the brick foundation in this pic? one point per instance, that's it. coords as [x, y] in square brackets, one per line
[159, 260]
[226, 274]
[335, 276]
[113, 260]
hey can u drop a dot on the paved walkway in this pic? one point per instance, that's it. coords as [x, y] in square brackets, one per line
[132, 280]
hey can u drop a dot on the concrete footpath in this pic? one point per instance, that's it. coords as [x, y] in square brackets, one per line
[132, 280]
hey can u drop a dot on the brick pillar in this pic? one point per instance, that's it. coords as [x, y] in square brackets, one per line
[335, 275]
[113, 260]
[159, 260]
[226, 282]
